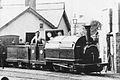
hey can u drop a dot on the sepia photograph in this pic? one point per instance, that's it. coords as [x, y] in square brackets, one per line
[59, 40]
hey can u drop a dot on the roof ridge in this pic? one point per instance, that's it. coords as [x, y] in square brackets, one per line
[49, 9]
[33, 12]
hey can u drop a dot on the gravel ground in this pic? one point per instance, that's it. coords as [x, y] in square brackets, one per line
[25, 74]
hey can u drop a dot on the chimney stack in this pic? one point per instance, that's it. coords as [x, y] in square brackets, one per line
[87, 27]
[31, 3]
[27, 2]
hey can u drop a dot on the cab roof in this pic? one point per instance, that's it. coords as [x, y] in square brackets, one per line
[62, 42]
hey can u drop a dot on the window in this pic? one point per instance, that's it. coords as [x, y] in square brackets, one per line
[53, 33]
[41, 25]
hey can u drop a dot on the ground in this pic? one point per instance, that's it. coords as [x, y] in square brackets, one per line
[26, 74]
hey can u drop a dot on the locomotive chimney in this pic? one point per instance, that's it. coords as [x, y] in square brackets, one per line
[31, 3]
[87, 27]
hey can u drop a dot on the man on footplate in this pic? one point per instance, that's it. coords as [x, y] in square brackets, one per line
[2, 54]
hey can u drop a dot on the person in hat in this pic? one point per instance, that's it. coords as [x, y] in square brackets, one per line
[36, 40]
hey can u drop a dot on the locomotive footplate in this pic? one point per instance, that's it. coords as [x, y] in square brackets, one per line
[96, 67]
[37, 62]
[11, 60]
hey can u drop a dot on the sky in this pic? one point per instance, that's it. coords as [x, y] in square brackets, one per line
[74, 8]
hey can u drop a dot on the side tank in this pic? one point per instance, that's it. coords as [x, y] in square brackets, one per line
[65, 48]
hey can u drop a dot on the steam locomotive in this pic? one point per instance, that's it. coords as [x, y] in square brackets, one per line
[62, 53]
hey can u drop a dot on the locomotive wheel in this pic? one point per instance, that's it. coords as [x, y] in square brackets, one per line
[19, 64]
[15, 65]
[66, 70]
[78, 71]
[49, 66]
[56, 68]
[25, 65]
[87, 72]
[28, 66]
[39, 67]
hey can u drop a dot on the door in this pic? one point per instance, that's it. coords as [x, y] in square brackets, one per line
[29, 36]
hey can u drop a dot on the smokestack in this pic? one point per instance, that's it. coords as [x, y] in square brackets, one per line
[31, 3]
[87, 27]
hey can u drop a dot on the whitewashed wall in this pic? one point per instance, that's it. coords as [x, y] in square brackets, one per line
[25, 23]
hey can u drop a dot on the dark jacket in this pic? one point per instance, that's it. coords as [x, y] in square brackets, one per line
[2, 55]
[2, 49]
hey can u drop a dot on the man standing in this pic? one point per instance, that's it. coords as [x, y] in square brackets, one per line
[2, 54]
[36, 39]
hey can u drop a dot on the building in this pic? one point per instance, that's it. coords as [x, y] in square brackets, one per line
[109, 36]
[24, 20]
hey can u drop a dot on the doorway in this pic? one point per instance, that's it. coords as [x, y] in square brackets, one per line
[29, 36]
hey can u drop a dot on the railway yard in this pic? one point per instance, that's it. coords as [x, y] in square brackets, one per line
[26, 74]
[43, 44]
